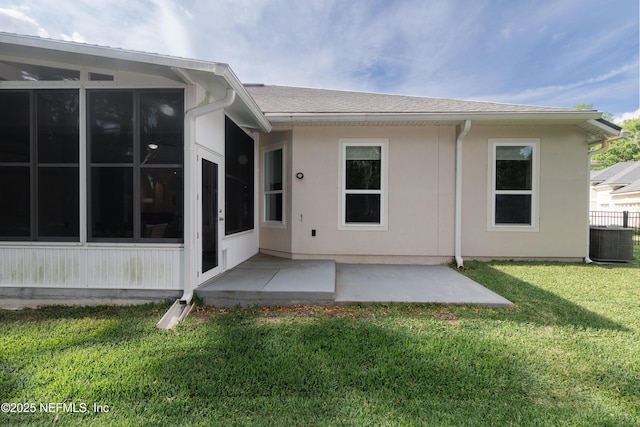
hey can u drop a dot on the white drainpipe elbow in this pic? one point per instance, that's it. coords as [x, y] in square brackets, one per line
[458, 208]
[190, 187]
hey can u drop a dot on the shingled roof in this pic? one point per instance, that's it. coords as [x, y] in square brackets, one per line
[291, 106]
[293, 100]
[625, 176]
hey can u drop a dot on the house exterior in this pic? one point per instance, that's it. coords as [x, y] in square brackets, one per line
[616, 188]
[452, 178]
[130, 174]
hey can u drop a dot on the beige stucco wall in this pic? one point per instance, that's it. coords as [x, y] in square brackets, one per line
[420, 197]
[274, 239]
[563, 196]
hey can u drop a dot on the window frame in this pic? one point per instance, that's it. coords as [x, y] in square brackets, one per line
[494, 143]
[383, 143]
[84, 80]
[265, 192]
[37, 166]
[136, 165]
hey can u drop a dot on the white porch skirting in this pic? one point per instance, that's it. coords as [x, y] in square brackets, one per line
[82, 267]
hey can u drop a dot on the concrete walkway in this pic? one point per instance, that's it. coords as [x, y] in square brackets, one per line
[265, 280]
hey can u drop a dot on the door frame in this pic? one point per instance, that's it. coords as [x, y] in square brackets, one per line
[203, 153]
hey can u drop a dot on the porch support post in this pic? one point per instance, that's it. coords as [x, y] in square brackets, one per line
[190, 226]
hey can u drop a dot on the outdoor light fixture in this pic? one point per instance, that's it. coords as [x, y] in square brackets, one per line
[299, 175]
[153, 146]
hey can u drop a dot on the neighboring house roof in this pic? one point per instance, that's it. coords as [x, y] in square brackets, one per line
[624, 175]
[634, 187]
[306, 106]
[215, 77]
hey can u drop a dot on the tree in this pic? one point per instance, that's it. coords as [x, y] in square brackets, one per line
[621, 150]
[605, 115]
[624, 149]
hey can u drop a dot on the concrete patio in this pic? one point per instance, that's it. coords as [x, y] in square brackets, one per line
[264, 280]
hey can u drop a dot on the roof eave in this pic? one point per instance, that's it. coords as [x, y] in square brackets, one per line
[235, 83]
[608, 127]
[433, 116]
[625, 193]
[73, 48]
[200, 72]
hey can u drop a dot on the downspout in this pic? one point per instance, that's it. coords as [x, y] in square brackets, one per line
[602, 149]
[190, 167]
[458, 212]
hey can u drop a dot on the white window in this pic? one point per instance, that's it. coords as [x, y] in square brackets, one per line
[514, 184]
[364, 182]
[274, 185]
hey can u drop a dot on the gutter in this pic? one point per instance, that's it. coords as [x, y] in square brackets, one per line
[292, 118]
[458, 213]
[609, 128]
[182, 306]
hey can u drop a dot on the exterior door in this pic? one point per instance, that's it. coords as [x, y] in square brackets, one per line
[210, 221]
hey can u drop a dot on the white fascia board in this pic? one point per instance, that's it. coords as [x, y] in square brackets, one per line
[137, 61]
[608, 129]
[402, 117]
[66, 48]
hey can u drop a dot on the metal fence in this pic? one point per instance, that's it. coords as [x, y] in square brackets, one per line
[624, 219]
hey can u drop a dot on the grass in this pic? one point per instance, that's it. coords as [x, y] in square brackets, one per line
[567, 354]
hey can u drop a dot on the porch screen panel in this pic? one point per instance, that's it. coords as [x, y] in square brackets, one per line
[161, 154]
[39, 165]
[239, 176]
[111, 157]
[112, 202]
[136, 144]
[15, 202]
[15, 166]
[58, 170]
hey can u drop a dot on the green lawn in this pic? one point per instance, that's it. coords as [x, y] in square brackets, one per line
[568, 354]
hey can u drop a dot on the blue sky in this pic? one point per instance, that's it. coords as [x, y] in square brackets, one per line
[539, 52]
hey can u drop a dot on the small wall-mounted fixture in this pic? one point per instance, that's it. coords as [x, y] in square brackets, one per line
[299, 175]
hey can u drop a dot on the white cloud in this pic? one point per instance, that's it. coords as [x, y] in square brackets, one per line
[627, 116]
[75, 37]
[166, 23]
[579, 88]
[16, 20]
[405, 46]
